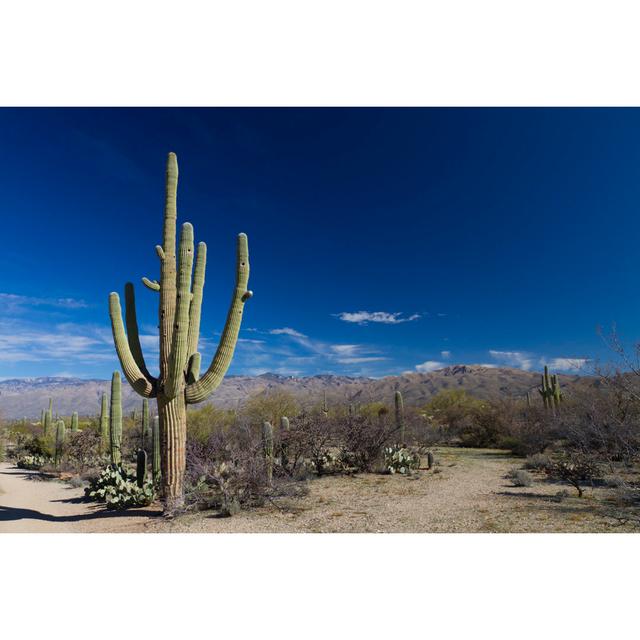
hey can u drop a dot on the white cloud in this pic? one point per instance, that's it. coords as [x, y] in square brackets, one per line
[429, 365]
[567, 364]
[383, 317]
[287, 331]
[13, 303]
[445, 354]
[518, 359]
[359, 360]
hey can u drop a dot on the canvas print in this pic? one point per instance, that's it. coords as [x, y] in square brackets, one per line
[362, 320]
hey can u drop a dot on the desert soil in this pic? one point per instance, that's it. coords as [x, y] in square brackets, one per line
[467, 493]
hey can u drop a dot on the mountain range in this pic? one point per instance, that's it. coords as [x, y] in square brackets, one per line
[28, 396]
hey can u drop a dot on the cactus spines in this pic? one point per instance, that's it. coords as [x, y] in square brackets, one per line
[115, 419]
[105, 437]
[145, 433]
[399, 414]
[74, 421]
[267, 446]
[141, 467]
[60, 433]
[179, 382]
[155, 448]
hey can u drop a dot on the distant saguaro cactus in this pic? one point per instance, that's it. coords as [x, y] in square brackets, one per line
[325, 406]
[399, 415]
[141, 467]
[48, 418]
[179, 382]
[267, 446]
[105, 437]
[60, 433]
[115, 419]
[74, 421]
[555, 390]
[546, 391]
[145, 436]
[155, 447]
[42, 414]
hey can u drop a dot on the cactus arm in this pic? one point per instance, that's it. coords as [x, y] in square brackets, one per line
[154, 285]
[193, 370]
[196, 301]
[133, 335]
[146, 387]
[201, 389]
[168, 266]
[179, 349]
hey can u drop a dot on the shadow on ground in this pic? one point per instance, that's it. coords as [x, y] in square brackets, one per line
[9, 514]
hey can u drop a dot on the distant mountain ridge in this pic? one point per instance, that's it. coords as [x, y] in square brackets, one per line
[28, 396]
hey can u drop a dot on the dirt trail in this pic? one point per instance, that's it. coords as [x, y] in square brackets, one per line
[31, 505]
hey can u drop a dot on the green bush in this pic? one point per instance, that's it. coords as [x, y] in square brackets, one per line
[119, 490]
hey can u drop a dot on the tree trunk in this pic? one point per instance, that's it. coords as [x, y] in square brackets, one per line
[173, 436]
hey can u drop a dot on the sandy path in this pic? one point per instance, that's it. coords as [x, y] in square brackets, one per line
[31, 505]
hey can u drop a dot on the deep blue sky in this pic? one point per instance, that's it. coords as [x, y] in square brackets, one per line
[499, 236]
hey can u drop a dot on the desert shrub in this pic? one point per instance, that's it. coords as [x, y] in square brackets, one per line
[32, 462]
[119, 489]
[2, 450]
[270, 405]
[362, 439]
[400, 460]
[203, 421]
[82, 451]
[450, 408]
[520, 477]
[226, 470]
[574, 467]
[537, 462]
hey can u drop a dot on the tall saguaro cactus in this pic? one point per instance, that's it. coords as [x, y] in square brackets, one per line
[146, 427]
[115, 418]
[74, 421]
[545, 390]
[267, 447]
[60, 433]
[105, 437]
[155, 448]
[179, 382]
[48, 418]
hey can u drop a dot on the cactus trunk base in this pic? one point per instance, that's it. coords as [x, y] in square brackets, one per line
[173, 436]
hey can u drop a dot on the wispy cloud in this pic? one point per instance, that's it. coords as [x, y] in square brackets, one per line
[526, 361]
[445, 354]
[287, 331]
[382, 317]
[430, 365]
[14, 303]
[519, 359]
[568, 364]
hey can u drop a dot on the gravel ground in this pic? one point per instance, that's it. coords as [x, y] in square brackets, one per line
[467, 492]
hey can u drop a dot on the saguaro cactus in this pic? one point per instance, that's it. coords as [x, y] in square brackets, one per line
[145, 436]
[42, 414]
[399, 414]
[141, 467]
[550, 390]
[179, 382]
[325, 406]
[115, 418]
[60, 433]
[284, 444]
[155, 447]
[105, 437]
[267, 446]
[74, 421]
[48, 418]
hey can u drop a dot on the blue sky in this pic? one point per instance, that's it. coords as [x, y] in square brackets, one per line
[381, 240]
